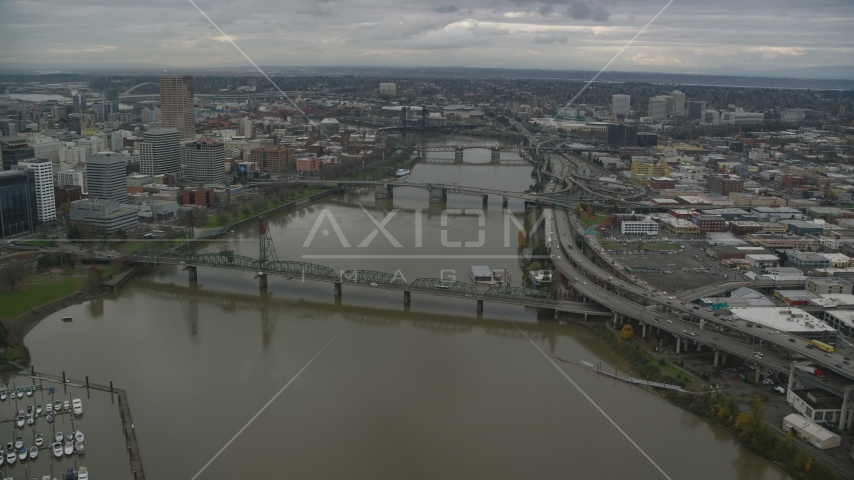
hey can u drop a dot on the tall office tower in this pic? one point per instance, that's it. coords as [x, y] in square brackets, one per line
[43, 174]
[113, 97]
[176, 105]
[678, 101]
[107, 176]
[658, 107]
[160, 152]
[695, 109]
[620, 104]
[205, 159]
[14, 150]
[17, 202]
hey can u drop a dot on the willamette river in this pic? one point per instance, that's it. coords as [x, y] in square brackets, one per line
[384, 390]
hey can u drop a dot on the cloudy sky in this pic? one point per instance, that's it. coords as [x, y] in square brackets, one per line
[691, 35]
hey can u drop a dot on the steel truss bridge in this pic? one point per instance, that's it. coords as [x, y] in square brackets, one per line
[267, 264]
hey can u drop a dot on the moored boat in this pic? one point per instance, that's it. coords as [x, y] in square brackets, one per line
[57, 449]
[19, 442]
[39, 440]
[20, 421]
[77, 406]
[31, 421]
[66, 405]
[78, 436]
[69, 448]
[49, 418]
[29, 391]
[34, 452]
[78, 448]
[23, 454]
[11, 457]
[38, 409]
[57, 437]
[3, 395]
[48, 408]
[82, 474]
[69, 436]
[19, 393]
[57, 406]
[29, 410]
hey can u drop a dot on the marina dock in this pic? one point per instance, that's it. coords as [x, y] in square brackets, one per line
[124, 411]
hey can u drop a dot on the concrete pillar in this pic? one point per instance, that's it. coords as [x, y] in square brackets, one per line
[438, 195]
[383, 190]
[504, 202]
[557, 314]
[192, 273]
[758, 373]
[480, 306]
[262, 280]
[844, 417]
[717, 358]
[643, 329]
[495, 157]
[702, 323]
[678, 343]
[458, 155]
[723, 357]
[485, 199]
[406, 298]
[337, 289]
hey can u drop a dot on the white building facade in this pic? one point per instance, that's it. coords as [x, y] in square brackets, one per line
[45, 200]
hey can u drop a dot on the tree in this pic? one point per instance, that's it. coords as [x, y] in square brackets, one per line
[95, 279]
[627, 333]
[74, 232]
[13, 274]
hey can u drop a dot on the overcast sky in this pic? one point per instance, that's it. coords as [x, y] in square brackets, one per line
[691, 35]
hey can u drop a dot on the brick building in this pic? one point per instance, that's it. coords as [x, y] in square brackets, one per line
[725, 184]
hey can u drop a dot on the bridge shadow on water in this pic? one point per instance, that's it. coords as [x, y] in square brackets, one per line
[271, 308]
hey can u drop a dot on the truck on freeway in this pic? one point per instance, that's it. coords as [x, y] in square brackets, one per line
[810, 369]
[821, 346]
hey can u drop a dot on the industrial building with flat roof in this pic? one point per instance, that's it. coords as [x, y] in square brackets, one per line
[789, 320]
[811, 432]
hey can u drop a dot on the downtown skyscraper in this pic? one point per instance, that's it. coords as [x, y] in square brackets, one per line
[176, 105]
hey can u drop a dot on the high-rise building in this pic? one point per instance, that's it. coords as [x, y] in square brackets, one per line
[247, 127]
[622, 135]
[678, 101]
[176, 105]
[17, 202]
[107, 177]
[388, 88]
[695, 109]
[160, 152]
[113, 98]
[14, 150]
[205, 160]
[658, 107]
[274, 158]
[46, 147]
[620, 104]
[43, 175]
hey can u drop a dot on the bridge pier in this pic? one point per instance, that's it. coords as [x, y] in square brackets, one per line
[438, 195]
[495, 156]
[191, 271]
[678, 343]
[717, 358]
[757, 375]
[504, 202]
[337, 289]
[485, 199]
[384, 191]
[262, 280]
[480, 306]
[557, 314]
[643, 330]
[458, 155]
[406, 298]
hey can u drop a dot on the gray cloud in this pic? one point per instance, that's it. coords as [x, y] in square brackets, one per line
[587, 10]
[549, 39]
[447, 9]
[316, 11]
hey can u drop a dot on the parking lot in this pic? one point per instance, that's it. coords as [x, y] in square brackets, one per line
[670, 271]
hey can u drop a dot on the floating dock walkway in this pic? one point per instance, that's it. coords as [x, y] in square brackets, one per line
[630, 380]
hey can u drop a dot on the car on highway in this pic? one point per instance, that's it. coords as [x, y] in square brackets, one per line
[715, 339]
[791, 339]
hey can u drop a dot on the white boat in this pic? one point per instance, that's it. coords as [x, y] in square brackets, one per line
[82, 474]
[78, 436]
[69, 436]
[77, 405]
[49, 418]
[29, 391]
[57, 406]
[11, 457]
[69, 448]
[2, 459]
[20, 421]
[66, 405]
[34, 452]
[31, 421]
[57, 449]
[39, 440]
[29, 410]
[401, 172]
[19, 442]
[23, 454]
[19, 393]
[3, 395]
[78, 448]
[48, 408]
[57, 437]
[38, 409]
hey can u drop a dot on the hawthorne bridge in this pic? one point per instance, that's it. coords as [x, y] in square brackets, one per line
[268, 263]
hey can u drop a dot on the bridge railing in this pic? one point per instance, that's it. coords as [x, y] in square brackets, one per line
[518, 293]
[458, 288]
[372, 277]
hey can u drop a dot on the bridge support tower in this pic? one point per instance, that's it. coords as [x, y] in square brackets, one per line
[504, 202]
[262, 280]
[458, 155]
[485, 199]
[191, 271]
[495, 155]
[407, 298]
[846, 420]
[337, 289]
[384, 191]
[480, 306]
[438, 195]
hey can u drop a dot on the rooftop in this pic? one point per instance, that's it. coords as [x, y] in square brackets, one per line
[782, 319]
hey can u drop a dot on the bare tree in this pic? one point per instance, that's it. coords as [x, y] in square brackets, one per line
[13, 274]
